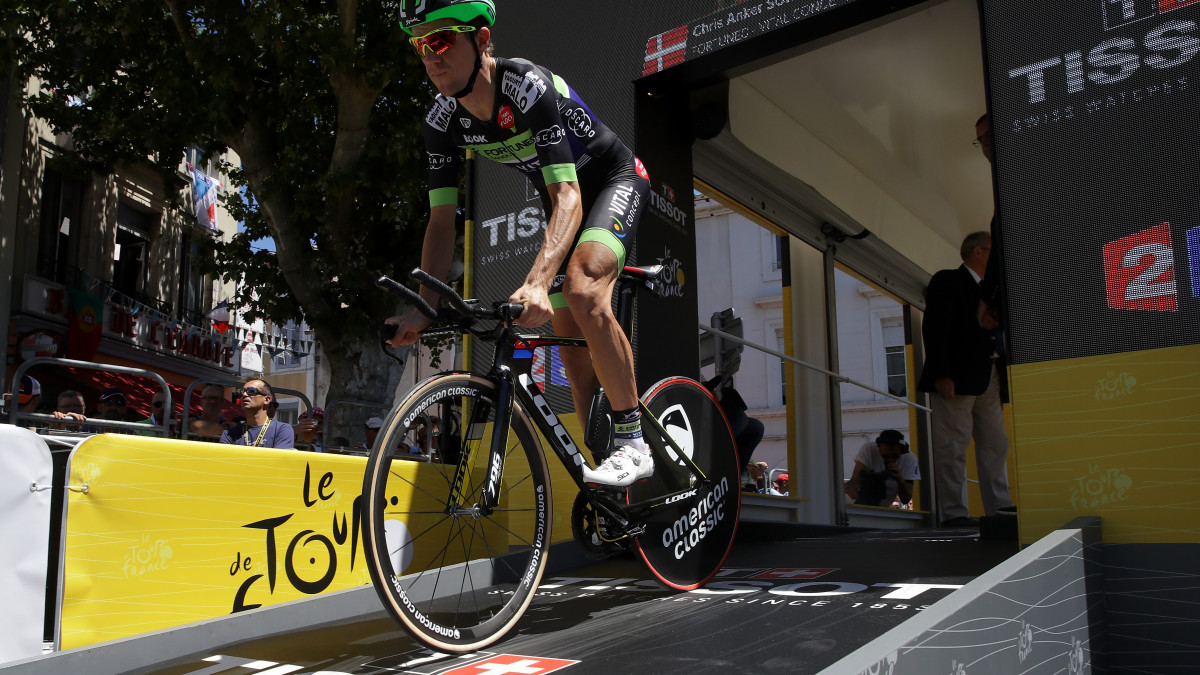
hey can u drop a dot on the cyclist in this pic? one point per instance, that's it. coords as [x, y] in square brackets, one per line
[592, 187]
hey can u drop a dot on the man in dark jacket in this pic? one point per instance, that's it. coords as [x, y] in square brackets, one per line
[965, 376]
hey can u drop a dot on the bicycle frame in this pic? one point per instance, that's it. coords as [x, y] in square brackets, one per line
[530, 398]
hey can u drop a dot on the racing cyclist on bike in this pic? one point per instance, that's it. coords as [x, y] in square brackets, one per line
[592, 186]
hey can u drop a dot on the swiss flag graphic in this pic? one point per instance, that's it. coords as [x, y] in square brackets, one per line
[665, 50]
[512, 664]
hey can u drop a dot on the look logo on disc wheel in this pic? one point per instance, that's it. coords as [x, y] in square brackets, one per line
[687, 540]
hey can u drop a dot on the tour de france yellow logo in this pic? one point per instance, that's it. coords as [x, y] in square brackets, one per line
[1114, 384]
[148, 555]
[1100, 487]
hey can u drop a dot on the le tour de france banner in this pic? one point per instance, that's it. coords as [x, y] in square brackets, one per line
[169, 532]
[1097, 160]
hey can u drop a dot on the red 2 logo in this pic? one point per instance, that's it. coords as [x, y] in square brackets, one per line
[1139, 271]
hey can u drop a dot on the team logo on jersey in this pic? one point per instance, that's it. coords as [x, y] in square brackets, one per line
[465, 121]
[641, 169]
[579, 122]
[437, 161]
[440, 112]
[524, 90]
[550, 136]
[618, 228]
[505, 119]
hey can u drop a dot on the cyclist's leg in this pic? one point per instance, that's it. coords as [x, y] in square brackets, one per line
[591, 277]
[577, 362]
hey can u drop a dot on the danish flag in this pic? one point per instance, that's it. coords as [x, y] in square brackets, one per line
[665, 50]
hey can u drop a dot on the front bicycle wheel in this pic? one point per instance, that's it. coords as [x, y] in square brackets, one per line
[688, 538]
[453, 573]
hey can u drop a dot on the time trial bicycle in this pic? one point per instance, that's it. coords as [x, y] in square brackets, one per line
[456, 547]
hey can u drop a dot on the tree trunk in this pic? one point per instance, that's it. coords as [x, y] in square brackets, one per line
[361, 373]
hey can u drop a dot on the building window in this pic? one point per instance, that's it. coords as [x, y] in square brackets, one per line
[129, 256]
[893, 350]
[192, 288]
[58, 238]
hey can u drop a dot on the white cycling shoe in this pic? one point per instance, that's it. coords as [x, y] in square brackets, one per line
[624, 467]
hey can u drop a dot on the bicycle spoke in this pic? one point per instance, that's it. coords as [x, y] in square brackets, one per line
[468, 560]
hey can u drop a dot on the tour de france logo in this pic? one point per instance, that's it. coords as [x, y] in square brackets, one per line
[1114, 385]
[1100, 487]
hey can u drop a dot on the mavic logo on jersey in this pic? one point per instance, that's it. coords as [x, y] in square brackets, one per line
[437, 161]
[440, 112]
[579, 122]
[551, 136]
[524, 90]
[474, 138]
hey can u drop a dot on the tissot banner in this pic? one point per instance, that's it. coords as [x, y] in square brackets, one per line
[1097, 158]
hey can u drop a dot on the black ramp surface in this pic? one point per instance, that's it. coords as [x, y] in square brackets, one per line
[789, 600]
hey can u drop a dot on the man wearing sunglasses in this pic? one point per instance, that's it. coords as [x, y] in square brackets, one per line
[259, 430]
[592, 187]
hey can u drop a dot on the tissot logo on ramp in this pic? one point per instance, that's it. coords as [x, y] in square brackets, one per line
[506, 664]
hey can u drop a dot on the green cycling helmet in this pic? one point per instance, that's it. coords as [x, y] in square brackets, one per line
[413, 13]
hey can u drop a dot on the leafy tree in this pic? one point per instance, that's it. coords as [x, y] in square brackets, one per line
[321, 100]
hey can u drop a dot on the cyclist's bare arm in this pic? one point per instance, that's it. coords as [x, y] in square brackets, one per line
[436, 255]
[561, 228]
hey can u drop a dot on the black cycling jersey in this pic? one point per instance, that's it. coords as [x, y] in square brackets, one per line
[539, 126]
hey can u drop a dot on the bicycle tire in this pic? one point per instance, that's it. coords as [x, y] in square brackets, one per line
[455, 578]
[687, 541]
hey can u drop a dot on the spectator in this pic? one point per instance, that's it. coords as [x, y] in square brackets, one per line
[210, 424]
[965, 379]
[112, 406]
[309, 428]
[370, 430]
[157, 414]
[756, 482]
[259, 430]
[272, 408]
[71, 406]
[884, 471]
[29, 395]
[779, 486]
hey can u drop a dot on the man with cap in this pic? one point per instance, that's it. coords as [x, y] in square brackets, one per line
[779, 486]
[370, 430]
[884, 470]
[112, 406]
[29, 395]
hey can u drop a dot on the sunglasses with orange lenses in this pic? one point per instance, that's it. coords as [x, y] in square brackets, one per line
[439, 40]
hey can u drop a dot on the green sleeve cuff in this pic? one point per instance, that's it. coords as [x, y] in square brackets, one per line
[559, 173]
[443, 196]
